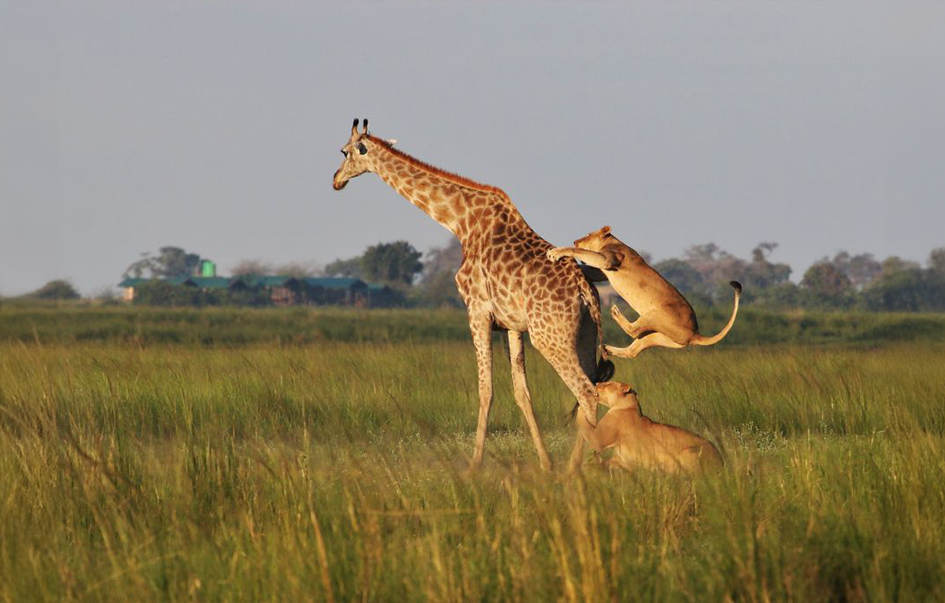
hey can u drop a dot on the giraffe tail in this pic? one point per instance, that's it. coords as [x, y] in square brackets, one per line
[605, 371]
[590, 297]
[605, 367]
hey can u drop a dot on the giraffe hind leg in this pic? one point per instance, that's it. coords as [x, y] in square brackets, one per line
[587, 358]
[523, 397]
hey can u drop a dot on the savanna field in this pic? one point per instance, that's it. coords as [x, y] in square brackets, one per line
[308, 455]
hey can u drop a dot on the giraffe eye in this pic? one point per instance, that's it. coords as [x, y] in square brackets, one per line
[362, 149]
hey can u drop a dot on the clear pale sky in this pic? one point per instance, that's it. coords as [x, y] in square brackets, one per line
[215, 126]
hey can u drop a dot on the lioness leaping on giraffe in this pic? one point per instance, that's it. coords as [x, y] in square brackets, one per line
[666, 318]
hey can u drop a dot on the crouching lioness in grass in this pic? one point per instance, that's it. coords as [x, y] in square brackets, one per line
[666, 318]
[639, 442]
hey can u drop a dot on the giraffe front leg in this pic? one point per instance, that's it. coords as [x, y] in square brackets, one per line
[481, 328]
[577, 454]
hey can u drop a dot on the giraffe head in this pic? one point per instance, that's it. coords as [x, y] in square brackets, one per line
[596, 240]
[359, 156]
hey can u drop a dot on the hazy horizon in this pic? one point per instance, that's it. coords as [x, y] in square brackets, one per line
[216, 127]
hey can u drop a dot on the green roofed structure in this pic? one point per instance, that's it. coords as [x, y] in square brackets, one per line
[283, 289]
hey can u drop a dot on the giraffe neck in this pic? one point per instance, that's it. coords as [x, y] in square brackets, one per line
[451, 200]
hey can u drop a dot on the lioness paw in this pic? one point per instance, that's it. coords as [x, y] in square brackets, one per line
[554, 255]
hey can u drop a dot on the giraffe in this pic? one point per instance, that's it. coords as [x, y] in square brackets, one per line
[506, 282]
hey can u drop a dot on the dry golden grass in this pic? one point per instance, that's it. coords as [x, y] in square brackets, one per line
[337, 472]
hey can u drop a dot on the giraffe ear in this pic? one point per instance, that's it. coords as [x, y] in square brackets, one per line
[391, 141]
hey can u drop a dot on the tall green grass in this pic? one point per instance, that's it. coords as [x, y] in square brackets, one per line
[307, 325]
[337, 472]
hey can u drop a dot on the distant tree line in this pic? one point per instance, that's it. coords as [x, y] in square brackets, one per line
[702, 273]
[844, 281]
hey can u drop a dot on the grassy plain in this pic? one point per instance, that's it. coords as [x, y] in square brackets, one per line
[259, 456]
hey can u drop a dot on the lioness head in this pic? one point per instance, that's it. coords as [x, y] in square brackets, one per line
[618, 395]
[595, 240]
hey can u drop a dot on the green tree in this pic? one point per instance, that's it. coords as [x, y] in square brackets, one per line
[782, 296]
[252, 268]
[862, 269]
[760, 273]
[894, 264]
[905, 287]
[169, 262]
[827, 285]
[901, 290]
[437, 283]
[298, 269]
[685, 278]
[58, 289]
[716, 268]
[393, 263]
[350, 267]
[443, 259]
[937, 261]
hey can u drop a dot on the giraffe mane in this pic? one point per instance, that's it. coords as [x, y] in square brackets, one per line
[452, 177]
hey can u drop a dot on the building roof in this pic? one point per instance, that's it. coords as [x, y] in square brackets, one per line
[207, 282]
[221, 282]
[334, 282]
[132, 282]
[266, 281]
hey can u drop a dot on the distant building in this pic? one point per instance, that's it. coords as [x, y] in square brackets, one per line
[382, 296]
[333, 291]
[285, 290]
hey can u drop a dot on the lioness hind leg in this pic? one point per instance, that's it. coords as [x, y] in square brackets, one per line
[648, 341]
[621, 321]
[643, 324]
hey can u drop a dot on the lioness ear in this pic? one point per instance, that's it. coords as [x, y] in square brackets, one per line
[605, 230]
